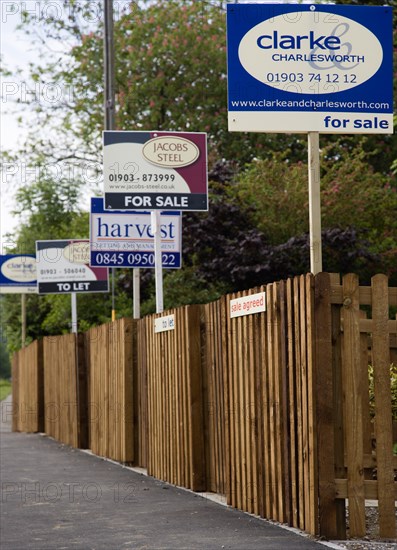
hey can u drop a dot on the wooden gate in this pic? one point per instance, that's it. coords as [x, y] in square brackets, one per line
[356, 336]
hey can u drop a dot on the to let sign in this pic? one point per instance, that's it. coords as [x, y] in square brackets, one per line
[62, 268]
[155, 170]
[165, 323]
[310, 68]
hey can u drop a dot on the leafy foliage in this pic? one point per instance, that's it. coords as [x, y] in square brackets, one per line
[248, 259]
[5, 388]
[353, 194]
[5, 366]
[393, 382]
[170, 74]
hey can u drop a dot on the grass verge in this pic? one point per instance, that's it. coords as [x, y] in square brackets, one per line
[5, 388]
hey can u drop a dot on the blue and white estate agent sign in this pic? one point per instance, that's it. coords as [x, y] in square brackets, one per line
[18, 274]
[125, 239]
[310, 68]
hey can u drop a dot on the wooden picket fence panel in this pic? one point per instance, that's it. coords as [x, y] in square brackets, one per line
[110, 351]
[174, 400]
[27, 389]
[215, 414]
[65, 392]
[268, 380]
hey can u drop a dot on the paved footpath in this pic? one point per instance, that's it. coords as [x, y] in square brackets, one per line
[55, 497]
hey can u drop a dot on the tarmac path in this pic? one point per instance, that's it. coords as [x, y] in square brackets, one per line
[56, 497]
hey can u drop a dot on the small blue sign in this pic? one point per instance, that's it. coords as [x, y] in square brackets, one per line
[120, 238]
[18, 273]
[310, 67]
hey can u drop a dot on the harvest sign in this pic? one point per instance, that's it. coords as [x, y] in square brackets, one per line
[310, 68]
[155, 170]
[126, 239]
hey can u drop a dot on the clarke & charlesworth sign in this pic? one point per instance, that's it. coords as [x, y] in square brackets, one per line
[310, 68]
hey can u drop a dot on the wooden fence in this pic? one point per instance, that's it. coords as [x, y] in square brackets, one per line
[275, 410]
[174, 399]
[261, 420]
[27, 389]
[111, 358]
[65, 389]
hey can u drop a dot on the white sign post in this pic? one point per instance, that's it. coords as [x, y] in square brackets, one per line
[73, 297]
[316, 262]
[136, 285]
[312, 69]
[158, 270]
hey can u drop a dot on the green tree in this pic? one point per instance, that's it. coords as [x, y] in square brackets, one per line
[170, 70]
[5, 365]
[49, 211]
[170, 58]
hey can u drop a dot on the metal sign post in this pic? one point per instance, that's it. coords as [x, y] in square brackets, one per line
[136, 288]
[109, 107]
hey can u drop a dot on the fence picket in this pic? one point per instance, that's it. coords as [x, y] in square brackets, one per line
[383, 421]
[294, 486]
[353, 405]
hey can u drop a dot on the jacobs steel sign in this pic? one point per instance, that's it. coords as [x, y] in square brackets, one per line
[155, 170]
[126, 239]
[302, 68]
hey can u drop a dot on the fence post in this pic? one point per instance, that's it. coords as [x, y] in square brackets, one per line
[325, 415]
[82, 391]
[383, 406]
[16, 381]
